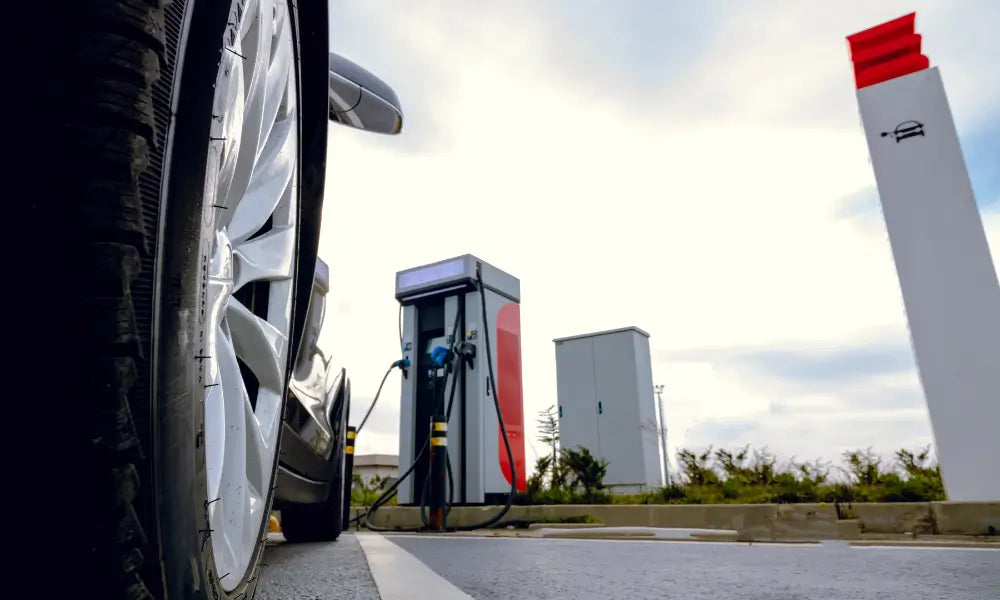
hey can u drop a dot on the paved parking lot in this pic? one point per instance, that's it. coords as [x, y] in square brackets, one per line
[551, 569]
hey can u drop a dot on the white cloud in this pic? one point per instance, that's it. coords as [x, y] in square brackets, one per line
[791, 419]
[777, 61]
[719, 226]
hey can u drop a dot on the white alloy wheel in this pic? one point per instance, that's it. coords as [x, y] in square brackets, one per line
[252, 199]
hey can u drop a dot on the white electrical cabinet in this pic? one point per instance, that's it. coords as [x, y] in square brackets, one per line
[605, 390]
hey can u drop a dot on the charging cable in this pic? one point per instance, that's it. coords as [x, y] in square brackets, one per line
[442, 357]
[496, 403]
[439, 356]
[402, 363]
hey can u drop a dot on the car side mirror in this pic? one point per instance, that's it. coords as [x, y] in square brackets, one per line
[361, 100]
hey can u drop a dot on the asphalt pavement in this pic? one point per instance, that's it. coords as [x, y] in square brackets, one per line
[555, 569]
[335, 570]
[570, 569]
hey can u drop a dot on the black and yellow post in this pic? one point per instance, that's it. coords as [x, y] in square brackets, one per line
[352, 434]
[438, 474]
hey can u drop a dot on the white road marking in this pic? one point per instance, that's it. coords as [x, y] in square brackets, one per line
[527, 539]
[792, 544]
[401, 576]
[927, 547]
[657, 533]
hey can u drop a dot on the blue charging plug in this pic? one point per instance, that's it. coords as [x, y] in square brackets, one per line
[439, 355]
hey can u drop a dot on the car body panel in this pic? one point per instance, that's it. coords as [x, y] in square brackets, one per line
[313, 426]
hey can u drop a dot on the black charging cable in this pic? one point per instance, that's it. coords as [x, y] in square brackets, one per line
[365, 517]
[448, 365]
[392, 489]
[451, 481]
[496, 403]
[374, 400]
[399, 322]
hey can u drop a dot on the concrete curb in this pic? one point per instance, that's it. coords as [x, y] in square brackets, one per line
[752, 522]
[966, 518]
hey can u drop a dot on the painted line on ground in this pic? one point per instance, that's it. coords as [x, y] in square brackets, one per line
[826, 544]
[399, 575]
[925, 548]
[445, 536]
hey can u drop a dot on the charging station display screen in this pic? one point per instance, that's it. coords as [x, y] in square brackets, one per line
[430, 274]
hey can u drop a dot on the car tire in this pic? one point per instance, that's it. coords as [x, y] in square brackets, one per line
[143, 80]
[322, 521]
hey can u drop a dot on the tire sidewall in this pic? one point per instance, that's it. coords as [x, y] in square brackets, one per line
[181, 321]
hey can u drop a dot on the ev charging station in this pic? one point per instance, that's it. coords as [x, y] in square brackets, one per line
[442, 307]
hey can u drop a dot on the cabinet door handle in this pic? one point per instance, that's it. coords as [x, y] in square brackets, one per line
[600, 408]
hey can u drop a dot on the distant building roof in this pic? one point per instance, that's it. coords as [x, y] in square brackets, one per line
[597, 333]
[376, 460]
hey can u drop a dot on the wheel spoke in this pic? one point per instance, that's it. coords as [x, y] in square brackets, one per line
[268, 185]
[277, 78]
[258, 454]
[267, 258]
[259, 344]
[261, 47]
[255, 511]
[280, 304]
[229, 109]
[268, 413]
[220, 279]
[257, 50]
[234, 478]
[250, 12]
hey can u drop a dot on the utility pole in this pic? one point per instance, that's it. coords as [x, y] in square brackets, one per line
[663, 435]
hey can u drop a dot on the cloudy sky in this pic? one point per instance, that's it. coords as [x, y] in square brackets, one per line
[694, 169]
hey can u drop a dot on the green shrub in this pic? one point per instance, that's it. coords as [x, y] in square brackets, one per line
[672, 492]
[745, 476]
[592, 497]
[365, 495]
[732, 488]
[586, 470]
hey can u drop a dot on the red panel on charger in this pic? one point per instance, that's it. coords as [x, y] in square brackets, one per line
[510, 391]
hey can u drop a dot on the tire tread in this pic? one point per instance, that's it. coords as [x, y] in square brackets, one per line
[120, 52]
